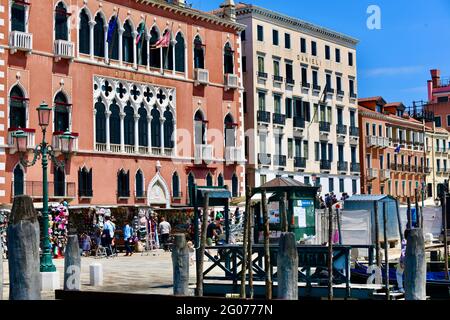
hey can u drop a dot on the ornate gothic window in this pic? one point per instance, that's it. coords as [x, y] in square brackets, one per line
[123, 184]
[61, 22]
[18, 20]
[17, 108]
[199, 54]
[127, 43]
[155, 54]
[62, 113]
[228, 59]
[141, 45]
[85, 182]
[209, 180]
[143, 127]
[114, 123]
[180, 53]
[18, 181]
[230, 131]
[129, 125]
[84, 33]
[114, 44]
[220, 181]
[168, 129]
[156, 128]
[100, 122]
[139, 184]
[99, 36]
[176, 185]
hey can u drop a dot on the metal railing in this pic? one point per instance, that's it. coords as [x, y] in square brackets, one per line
[325, 165]
[279, 160]
[279, 118]
[354, 131]
[299, 122]
[278, 78]
[264, 159]
[290, 81]
[372, 173]
[341, 129]
[342, 166]
[263, 116]
[324, 126]
[300, 162]
[355, 167]
[262, 75]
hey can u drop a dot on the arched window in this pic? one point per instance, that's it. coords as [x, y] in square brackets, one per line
[84, 33]
[235, 186]
[156, 128]
[17, 109]
[141, 45]
[59, 182]
[99, 36]
[191, 183]
[128, 123]
[114, 42]
[228, 59]
[62, 113]
[168, 129]
[85, 182]
[180, 53]
[155, 54]
[220, 182]
[200, 128]
[209, 180]
[176, 185]
[123, 184]
[18, 22]
[127, 43]
[230, 132]
[114, 123]
[143, 127]
[61, 18]
[18, 181]
[100, 122]
[199, 53]
[139, 184]
[168, 55]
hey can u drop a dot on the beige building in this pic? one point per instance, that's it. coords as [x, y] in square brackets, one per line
[438, 159]
[300, 102]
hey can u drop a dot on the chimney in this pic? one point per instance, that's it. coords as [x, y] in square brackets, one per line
[229, 10]
[430, 91]
[436, 77]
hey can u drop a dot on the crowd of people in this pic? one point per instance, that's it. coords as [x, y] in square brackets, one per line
[330, 200]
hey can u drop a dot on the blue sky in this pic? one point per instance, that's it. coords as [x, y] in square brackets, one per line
[393, 62]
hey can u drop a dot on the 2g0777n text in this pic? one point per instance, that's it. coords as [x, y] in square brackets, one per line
[246, 309]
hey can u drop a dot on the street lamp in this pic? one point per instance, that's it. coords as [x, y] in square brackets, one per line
[45, 152]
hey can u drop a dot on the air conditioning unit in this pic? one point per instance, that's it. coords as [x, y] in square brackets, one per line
[231, 81]
[201, 76]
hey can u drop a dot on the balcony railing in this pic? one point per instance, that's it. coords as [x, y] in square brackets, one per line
[353, 95]
[341, 129]
[427, 170]
[201, 76]
[279, 160]
[263, 116]
[299, 122]
[203, 152]
[330, 90]
[385, 174]
[290, 81]
[377, 142]
[20, 41]
[279, 118]
[355, 167]
[340, 93]
[354, 131]
[324, 126]
[342, 166]
[233, 154]
[57, 140]
[372, 173]
[56, 190]
[64, 49]
[264, 159]
[300, 162]
[278, 78]
[30, 137]
[262, 75]
[325, 165]
[231, 81]
[316, 87]
[306, 85]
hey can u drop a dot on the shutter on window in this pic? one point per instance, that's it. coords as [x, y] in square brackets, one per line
[80, 183]
[89, 184]
[119, 183]
[127, 184]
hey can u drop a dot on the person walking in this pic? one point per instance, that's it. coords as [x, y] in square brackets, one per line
[164, 230]
[128, 238]
[108, 235]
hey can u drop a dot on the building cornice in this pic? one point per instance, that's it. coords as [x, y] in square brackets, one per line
[192, 13]
[297, 25]
[390, 120]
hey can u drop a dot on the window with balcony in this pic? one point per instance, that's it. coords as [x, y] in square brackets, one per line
[260, 33]
[123, 184]
[19, 181]
[261, 101]
[84, 33]
[61, 22]
[305, 149]
[339, 85]
[276, 68]
[141, 46]
[277, 103]
[351, 85]
[18, 20]
[327, 53]
[228, 59]
[155, 54]
[200, 128]
[99, 36]
[230, 131]
[287, 40]
[289, 73]
[100, 122]
[305, 77]
[143, 126]
[302, 45]
[17, 108]
[167, 54]
[62, 113]
[315, 77]
[331, 184]
[316, 151]
[275, 39]
[328, 82]
[199, 53]
[290, 148]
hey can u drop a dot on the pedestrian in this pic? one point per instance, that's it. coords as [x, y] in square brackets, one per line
[108, 235]
[164, 230]
[86, 245]
[212, 232]
[401, 264]
[128, 239]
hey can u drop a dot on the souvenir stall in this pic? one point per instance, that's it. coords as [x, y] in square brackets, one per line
[58, 224]
[4, 213]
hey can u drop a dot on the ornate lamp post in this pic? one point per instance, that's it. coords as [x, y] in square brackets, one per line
[44, 151]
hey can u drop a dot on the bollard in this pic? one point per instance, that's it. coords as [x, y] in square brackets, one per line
[23, 244]
[415, 266]
[72, 265]
[287, 266]
[180, 263]
[96, 274]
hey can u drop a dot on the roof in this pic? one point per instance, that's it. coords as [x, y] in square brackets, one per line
[395, 104]
[369, 197]
[285, 184]
[373, 99]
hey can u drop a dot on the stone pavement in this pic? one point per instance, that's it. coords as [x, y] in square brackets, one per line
[150, 274]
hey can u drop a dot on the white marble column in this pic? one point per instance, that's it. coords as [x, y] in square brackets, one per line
[149, 133]
[92, 24]
[95, 131]
[161, 59]
[121, 31]
[136, 133]
[108, 139]
[105, 28]
[135, 62]
[162, 119]
[122, 132]
[174, 42]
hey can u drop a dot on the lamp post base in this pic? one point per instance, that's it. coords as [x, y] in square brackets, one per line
[50, 281]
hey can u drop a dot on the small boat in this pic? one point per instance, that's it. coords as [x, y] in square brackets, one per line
[437, 286]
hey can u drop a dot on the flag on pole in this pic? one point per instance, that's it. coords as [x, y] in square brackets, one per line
[164, 42]
[112, 26]
[141, 31]
[397, 150]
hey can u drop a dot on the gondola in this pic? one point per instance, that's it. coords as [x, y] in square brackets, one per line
[437, 286]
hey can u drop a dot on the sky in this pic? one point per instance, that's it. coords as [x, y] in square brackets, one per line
[394, 61]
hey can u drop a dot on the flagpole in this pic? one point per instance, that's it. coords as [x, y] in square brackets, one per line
[168, 49]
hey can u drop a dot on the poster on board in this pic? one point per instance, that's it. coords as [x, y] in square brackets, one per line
[274, 212]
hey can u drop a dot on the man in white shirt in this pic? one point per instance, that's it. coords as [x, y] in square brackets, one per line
[164, 230]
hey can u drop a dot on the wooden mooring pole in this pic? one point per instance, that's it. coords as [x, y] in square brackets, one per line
[201, 255]
[444, 222]
[415, 266]
[267, 266]
[23, 251]
[287, 267]
[386, 251]
[250, 251]
[180, 265]
[245, 244]
[330, 253]
[283, 211]
[72, 264]
[377, 235]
